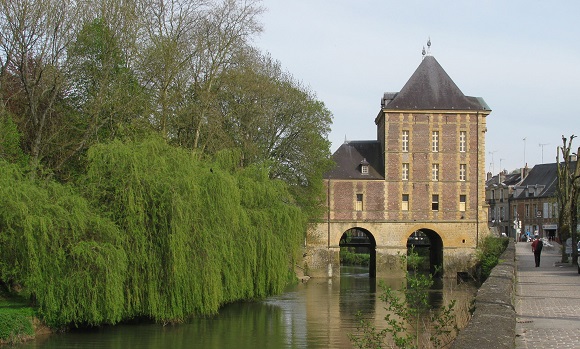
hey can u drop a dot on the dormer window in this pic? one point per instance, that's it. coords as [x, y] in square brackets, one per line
[364, 167]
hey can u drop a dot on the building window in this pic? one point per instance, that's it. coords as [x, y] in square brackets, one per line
[364, 167]
[359, 202]
[527, 210]
[435, 141]
[501, 214]
[462, 202]
[462, 172]
[501, 195]
[405, 202]
[405, 174]
[462, 141]
[435, 202]
[405, 144]
[435, 172]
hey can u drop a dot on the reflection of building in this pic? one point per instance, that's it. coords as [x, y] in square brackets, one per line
[534, 201]
[498, 191]
[425, 172]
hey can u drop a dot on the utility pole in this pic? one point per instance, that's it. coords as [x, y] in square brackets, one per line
[542, 146]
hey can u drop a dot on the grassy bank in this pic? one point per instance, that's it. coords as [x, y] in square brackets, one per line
[16, 319]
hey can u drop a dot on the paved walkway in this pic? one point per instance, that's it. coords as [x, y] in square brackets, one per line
[547, 300]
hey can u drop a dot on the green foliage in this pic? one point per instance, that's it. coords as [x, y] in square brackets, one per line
[198, 236]
[182, 237]
[10, 141]
[409, 316]
[62, 252]
[349, 257]
[488, 254]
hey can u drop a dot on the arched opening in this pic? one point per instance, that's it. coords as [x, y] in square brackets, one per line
[427, 243]
[358, 245]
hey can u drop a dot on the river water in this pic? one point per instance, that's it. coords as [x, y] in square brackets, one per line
[318, 314]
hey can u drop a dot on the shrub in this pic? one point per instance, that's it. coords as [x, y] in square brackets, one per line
[488, 254]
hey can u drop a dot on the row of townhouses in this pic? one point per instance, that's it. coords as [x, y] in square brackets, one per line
[524, 202]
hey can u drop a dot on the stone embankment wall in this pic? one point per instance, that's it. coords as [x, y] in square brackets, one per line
[493, 324]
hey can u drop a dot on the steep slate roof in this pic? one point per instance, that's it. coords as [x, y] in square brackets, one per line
[430, 88]
[350, 155]
[545, 175]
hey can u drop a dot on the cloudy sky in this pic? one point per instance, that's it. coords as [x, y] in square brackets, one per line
[522, 57]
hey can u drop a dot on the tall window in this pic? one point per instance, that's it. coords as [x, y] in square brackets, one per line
[501, 194]
[435, 172]
[435, 141]
[462, 202]
[405, 174]
[359, 202]
[405, 202]
[405, 143]
[501, 213]
[527, 210]
[462, 172]
[435, 202]
[462, 141]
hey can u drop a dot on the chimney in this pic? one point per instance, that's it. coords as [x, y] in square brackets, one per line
[489, 175]
[524, 172]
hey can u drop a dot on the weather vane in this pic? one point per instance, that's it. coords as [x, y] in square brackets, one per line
[428, 51]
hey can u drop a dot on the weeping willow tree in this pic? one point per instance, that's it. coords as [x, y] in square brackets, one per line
[176, 236]
[59, 251]
[197, 234]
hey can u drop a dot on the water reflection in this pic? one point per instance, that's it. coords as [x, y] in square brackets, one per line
[318, 314]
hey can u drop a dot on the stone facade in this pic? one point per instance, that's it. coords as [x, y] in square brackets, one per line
[426, 172]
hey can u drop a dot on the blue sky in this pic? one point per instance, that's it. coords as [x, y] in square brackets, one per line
[522, 57]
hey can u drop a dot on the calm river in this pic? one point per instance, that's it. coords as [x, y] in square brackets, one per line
[317, 314]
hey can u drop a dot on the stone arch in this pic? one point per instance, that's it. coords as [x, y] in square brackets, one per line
[361, 238]
[431, 240]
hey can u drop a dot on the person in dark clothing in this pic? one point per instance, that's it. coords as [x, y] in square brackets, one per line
[537, 245]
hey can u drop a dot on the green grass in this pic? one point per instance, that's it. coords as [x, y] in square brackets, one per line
[347, 257]
[15, 319]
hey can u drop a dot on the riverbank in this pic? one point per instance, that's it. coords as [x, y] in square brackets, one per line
[17, 320]
[493, 323]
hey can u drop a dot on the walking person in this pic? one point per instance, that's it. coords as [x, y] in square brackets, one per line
[537, 245]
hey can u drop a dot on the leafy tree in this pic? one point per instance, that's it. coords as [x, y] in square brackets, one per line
[104, 96]
[64, 255]
[274, 120]
[34, 35]
[200, 235]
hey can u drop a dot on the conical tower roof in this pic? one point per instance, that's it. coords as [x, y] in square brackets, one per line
[430, 88]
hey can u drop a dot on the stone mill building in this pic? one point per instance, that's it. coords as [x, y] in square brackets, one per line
[420, 183]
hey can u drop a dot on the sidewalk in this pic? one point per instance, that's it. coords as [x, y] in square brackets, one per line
[547, 300]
